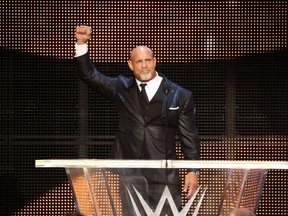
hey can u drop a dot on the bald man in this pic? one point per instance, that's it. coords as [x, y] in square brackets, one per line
[151, 109]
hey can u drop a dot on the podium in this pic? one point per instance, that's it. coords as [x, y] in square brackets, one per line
[119, 187]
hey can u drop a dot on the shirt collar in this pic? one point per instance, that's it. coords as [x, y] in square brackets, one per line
[151, 84]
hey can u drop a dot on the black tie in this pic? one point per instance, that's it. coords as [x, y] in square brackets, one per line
[143, 92]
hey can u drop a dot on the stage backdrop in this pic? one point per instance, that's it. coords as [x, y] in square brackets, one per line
[231, 54]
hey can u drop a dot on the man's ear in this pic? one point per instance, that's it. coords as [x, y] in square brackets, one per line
[130, 65]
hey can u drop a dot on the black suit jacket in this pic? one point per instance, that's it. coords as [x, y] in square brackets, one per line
[145, 139]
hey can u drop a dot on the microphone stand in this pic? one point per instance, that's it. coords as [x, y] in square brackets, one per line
[166, 133]
[166, 88]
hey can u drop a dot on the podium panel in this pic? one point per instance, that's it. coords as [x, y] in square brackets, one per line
[154, 188]
[243, 189]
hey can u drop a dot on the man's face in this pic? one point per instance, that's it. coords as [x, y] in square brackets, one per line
[142, 63]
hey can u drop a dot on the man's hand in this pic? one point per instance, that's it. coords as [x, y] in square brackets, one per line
[83, 34]
[191, 184]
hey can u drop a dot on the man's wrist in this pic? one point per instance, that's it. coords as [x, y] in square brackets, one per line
[80, 49]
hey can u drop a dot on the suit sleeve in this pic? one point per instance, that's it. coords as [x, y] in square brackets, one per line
[188, 131]
[90, 75]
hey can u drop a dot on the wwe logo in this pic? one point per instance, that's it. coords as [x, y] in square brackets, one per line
[167, 195]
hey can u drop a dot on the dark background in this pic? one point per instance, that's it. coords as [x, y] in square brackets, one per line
[233, 57]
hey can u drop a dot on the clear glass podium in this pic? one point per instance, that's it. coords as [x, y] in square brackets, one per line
[122, 187]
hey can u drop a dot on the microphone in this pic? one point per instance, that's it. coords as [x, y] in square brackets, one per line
[166, 89]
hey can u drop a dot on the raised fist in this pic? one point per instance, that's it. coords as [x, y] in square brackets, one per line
[83, 34]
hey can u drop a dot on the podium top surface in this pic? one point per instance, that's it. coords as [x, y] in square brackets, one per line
[200, 164]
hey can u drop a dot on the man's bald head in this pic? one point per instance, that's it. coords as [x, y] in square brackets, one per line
[137, 49]
[142, 62]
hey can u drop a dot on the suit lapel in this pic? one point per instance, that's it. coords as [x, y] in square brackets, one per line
[135, 99]
[171, 99]
[128, 96]
[132, 102]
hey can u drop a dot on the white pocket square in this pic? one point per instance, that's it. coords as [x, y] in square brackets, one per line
[173, 108]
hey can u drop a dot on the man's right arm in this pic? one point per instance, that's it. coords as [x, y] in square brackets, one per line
[84, 66]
